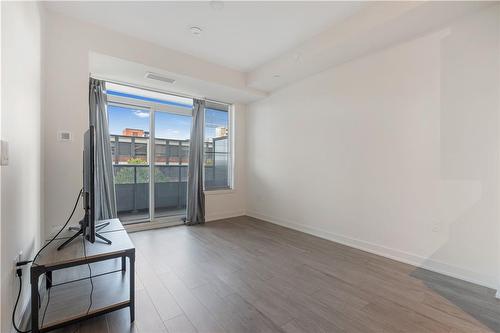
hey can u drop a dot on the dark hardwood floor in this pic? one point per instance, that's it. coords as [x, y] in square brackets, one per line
[246, 275]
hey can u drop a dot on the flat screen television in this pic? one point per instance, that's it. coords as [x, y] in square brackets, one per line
[89, 183]
[88, 227]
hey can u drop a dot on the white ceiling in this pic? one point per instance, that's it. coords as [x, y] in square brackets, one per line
[271, 44]
[240, 35]
[375, 27]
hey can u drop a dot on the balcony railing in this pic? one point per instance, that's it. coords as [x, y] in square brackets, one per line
[132, 187]
[130, 156]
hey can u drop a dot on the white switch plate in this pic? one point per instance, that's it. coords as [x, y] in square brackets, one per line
[4, 152]
[64, 136]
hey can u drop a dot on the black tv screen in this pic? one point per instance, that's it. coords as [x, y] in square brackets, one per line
[89, 182]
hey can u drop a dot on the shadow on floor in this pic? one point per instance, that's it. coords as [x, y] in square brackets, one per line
[477, 301]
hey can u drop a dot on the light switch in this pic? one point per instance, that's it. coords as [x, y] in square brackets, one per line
[64, 136]
[4, 152]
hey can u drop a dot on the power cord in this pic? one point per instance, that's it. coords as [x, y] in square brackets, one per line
[19, 271]
[90, 277]
[61, 230]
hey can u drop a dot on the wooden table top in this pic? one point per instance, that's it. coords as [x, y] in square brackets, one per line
[75, 251]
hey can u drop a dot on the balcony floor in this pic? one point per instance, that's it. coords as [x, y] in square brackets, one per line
[143, 215]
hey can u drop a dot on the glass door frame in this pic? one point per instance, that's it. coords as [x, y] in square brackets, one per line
[152, 108]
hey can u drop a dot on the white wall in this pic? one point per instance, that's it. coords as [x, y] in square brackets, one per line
[68, 46]
[21, 127]
[395, 153]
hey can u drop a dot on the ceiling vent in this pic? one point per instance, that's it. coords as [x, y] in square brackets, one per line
[159, 77]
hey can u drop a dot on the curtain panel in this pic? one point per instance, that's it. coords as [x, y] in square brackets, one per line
[195, 211]
[105, 197]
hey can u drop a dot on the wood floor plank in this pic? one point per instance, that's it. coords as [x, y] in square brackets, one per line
[180, 324]
[274, 308]
[233, 312]
[119, 322]
[147, 319]
[292, 327]
[163, 301]
[194, 310]
[94, 325]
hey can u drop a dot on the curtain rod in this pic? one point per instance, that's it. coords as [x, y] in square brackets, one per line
[131, 85]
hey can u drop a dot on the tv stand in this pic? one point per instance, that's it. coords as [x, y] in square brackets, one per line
[67, 278]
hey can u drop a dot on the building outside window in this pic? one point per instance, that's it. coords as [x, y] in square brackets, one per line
[217, 146]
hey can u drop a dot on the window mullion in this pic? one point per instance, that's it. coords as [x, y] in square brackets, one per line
[152, 147]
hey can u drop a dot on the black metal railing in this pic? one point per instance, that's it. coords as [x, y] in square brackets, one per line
[132, 173]
[132, 187]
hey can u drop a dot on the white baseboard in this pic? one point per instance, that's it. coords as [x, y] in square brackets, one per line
[395, 254]
[224, 215]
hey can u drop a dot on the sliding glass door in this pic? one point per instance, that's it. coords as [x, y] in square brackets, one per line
[171, 131]
[129, 131]
[144, 126]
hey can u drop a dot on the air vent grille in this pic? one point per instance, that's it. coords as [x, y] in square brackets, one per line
[159, 77]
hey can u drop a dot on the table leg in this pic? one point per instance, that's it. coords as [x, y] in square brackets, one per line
[132, 285]
[48, 280]
[34, 300]
[124, 263]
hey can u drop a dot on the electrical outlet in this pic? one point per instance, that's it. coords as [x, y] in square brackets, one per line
[436, 227]
[17, 258]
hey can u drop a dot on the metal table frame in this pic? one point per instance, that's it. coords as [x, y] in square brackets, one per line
[39, 270]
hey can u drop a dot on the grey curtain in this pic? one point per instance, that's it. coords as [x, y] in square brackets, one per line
[195, 212]
[105, 197]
